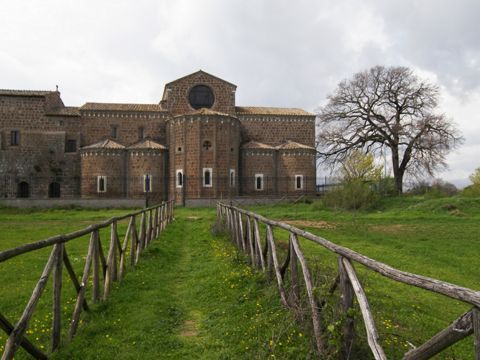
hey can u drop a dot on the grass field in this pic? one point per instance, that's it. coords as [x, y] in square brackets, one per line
[193, 297]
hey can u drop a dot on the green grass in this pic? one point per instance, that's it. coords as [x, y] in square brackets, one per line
[434, 237]
[191, 296]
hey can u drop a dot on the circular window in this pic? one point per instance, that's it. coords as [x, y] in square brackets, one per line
[201, 96]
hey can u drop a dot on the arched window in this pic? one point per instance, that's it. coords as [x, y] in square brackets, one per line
[179, 178]
[259, 182]
[23, 190]
[298, 182]
[147, 183]
[54, 190]
[101, 184]
[207, 177]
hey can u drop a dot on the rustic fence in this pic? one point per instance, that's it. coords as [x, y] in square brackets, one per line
[153, 221]
[244, 229]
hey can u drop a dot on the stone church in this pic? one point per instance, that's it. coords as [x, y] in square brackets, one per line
[196, 143]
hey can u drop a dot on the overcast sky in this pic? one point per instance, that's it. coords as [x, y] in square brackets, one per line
[278, 52]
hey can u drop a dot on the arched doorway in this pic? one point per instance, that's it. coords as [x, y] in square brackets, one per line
[23, 190]
[54, 190]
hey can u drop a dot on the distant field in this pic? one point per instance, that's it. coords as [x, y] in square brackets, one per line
[437, 238]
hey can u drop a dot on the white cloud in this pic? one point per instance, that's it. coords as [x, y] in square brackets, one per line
[279, 53]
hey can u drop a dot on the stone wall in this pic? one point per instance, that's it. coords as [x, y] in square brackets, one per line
[175, 98]
[151, 162]
[276, 129]
[103, 162]
[296, 162]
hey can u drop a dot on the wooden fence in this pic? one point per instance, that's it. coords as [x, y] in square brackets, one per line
[112, 267]
[244, 230]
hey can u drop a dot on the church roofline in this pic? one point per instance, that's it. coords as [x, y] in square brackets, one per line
[196, 72]
[93, 106]
[259, 110]
[205, 111]
[26, 93]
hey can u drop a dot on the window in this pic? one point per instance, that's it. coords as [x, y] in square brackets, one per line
[23, 190]
[114, 131]
[15, 137]
[54, 190]
[70, 146]
[141, 132]
[147, 183]
[179, 178]
[259, 182]
[207, 177]
[201, 96]
[298, 182]
[232, 178]
[179, 149]
[101, 184]
[207, 144]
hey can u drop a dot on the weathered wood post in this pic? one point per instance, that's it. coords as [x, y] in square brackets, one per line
[57, 295]
[346, 304]
[96, 268]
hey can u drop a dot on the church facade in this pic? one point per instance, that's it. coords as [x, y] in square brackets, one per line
[196, 143]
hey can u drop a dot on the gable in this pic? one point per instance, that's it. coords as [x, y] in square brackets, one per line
[196, 91]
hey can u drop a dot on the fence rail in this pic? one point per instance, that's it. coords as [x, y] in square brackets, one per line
[153, 221]
[244, 230]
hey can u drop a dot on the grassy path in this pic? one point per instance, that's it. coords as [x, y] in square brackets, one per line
[189, 298]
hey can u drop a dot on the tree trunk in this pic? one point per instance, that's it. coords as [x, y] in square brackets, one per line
[397, 172]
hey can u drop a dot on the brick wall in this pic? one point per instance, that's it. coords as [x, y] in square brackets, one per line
[146, 161]
[276, 129]
[175, 98]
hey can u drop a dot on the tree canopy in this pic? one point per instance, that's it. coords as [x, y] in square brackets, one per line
[389, 110]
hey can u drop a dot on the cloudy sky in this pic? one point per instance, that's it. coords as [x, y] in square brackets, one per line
[278, 52]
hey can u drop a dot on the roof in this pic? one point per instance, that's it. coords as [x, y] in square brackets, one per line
[205, 111]
[29, 93]
[287, 145]
[147, 144]
[65, 111]
[105, 144]
[199, 72]
[255, 110]
[257, 145]
[122, 107]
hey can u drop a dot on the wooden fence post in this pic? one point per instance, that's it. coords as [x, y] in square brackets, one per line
[346, 304]
[111, 263]
[81, 293]
[476, 332]
[123, 250]
[295, 286]
[96, 268]
[309, 285]
[240, 234]
[57, 296]
[18, 331]
[276, 267]
[256, 235]
[372, 334]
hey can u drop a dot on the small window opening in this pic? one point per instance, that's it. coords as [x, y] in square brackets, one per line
[259, 182]
[23, 190]
[147, 183]
[54, 190]
[207, 144]
[101, 184]
[207, 177]
[15, 137]
[70, 145]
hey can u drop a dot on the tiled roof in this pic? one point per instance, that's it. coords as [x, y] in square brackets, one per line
[287, 145]
[105, 144]
[257, 145]
[254, 110]
[65, 111]
[9, 92]
[147, 144]
[205, 111]
[121, 107]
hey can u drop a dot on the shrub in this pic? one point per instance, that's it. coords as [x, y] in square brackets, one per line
[354, 195]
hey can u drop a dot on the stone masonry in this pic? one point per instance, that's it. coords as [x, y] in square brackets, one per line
[194, 144]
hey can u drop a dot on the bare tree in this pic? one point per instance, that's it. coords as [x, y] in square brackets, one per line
[387, 108]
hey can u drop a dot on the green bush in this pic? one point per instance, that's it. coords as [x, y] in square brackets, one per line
[471, 191]
[354, 195]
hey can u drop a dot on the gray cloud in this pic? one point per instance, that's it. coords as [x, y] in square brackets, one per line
[279, 53]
